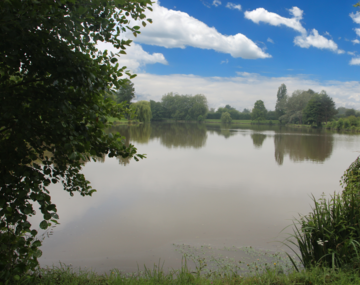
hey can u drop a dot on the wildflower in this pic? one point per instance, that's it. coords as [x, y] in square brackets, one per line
[275, 263]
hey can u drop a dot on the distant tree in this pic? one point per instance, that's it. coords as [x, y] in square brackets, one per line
[272, 115]
[328, 110]
[246, 111]
[180, 106]
[226, 118]
[142, 111]
[157, 111]
[350, 112]
[259, 111]
[281, 100]
[319, 109]
[295, 105]
[125, 92]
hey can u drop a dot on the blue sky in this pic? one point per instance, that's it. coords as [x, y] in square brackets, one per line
[241, 51]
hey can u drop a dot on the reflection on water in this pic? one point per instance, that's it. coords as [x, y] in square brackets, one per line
[299, 145]
[302, 147]
[258, 139]
[200, 184]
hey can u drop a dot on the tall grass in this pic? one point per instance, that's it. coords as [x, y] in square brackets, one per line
[329, 236]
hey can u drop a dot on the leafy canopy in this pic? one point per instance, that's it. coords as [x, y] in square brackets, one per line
[53, 113]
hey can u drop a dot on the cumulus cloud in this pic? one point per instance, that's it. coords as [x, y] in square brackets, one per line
[216, 3]
[355, 17]
[233, 6]
[261, 15]
[305, 40]
[176, 29]
[355, 61]
[270, 40]
[357, 31]
[315, 40]
[244, 89]
[135, 57]
[356, 41]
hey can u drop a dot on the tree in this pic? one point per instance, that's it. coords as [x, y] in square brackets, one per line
[295, 105]
[320, 108]
[53, 112]
[142, 111]
[157, 111]
[226, 118]
[126, 92]
[259, 111]
[327, 107]
[350, 112]
[281, 100]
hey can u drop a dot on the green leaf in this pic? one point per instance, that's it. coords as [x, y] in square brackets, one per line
[43, 225]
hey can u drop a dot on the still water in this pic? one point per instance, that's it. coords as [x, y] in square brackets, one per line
[199, 185]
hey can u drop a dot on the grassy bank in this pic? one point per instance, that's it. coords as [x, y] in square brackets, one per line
[66, 275]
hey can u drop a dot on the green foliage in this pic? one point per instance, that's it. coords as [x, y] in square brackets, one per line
[319, 109]
[125, 93]
[353, 121]
[340, 124]
[200, 118]
[157, 111]
[53, 113]
[280, 106]
[142, 111]
[259, 111]
[226, 118]
[330, 234]
[350, 112]
[346, 124]
[295, 105]
[180, 106]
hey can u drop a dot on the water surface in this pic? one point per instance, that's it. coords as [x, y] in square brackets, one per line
[200, 185]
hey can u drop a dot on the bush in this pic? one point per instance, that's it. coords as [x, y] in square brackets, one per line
[340, 124]
[353, 121]
[334, 124]
[329, 236]
[346, 124]
[226, 118]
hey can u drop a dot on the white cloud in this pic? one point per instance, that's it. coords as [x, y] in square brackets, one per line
[135, 57]
[243, 90]
[356, 41]
[261, 15]
[357, 31]
[351, 52]
[270, 40]
[355, 17]
[315, 40]
[305, 40]
[355, 61]
[224, 61]
[176, 29]
[233, 6]
[216, 3]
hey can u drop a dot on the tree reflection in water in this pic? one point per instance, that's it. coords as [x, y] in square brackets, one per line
[302, 147]
[258, 139]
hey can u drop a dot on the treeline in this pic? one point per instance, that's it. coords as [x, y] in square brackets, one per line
[302, 107]
[180, 107]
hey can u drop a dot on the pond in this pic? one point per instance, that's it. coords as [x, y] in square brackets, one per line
[200, 185]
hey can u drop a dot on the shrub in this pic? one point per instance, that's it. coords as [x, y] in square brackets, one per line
[200, 118]
[346, 124]
[353, 128]
[334, 124]
[226, 118]
[340, 123]
[329, 235]
[353, 121]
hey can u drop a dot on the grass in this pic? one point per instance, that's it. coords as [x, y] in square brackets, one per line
[67, 275]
